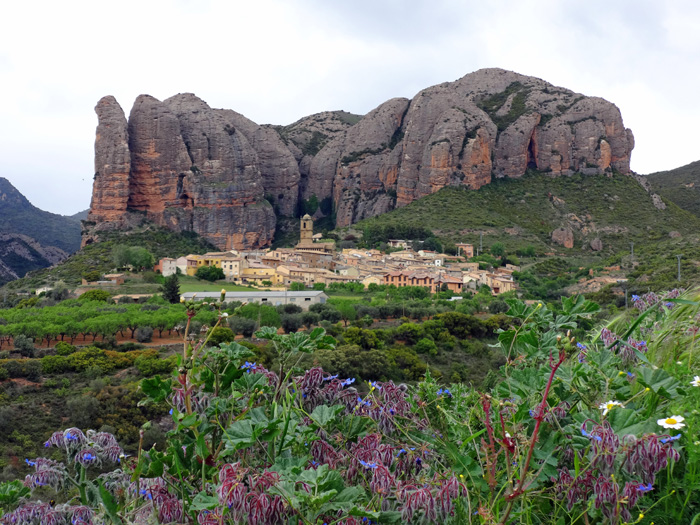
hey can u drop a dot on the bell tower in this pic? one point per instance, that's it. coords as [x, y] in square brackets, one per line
[306, 230]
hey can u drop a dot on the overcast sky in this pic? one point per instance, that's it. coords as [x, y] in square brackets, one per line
[276, 61]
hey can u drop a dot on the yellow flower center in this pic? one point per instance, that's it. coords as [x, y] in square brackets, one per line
[671, 421]
[610, 406]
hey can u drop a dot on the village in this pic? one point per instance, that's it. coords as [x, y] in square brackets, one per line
[314, 262]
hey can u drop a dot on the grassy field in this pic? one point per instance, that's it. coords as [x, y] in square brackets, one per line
[192, 284]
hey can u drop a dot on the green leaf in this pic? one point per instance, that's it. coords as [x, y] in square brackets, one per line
[11, 492]
[109, 503]
[324, 414]
[659, 381]
[156, 389]
[625, 421]
[204, 501]
[240, 434]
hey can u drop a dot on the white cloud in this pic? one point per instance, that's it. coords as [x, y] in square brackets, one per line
[276, 61]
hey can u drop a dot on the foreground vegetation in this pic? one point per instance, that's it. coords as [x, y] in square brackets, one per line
[579, 425]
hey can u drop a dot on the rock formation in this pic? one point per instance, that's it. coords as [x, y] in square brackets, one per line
[190, 167]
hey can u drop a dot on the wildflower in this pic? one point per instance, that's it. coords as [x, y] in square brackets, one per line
[674, 422]
[444, 392]
[635, 297]
[645, 488]
[330, 378]
[671, 438]
[695, 381]
[347, 382]
[224, 314]
[182, 298]
[248, 366]
[609, 405]
[374, 384]
[368, 465]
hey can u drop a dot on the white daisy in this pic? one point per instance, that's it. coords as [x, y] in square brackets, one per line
[674, 422]
[609, 405]
[695, 381]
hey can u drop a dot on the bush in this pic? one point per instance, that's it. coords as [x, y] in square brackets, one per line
[24, 345]
[291, 322]
[149, 365]
[310, 319]
[95, 295]
[209, 273]
[83, 410]
[144, 334]
[92, 276]
[4, 374]
[426, 346]
[242, 325]
[55, 364]
[221, 334]
[289, 309]
[63, 348]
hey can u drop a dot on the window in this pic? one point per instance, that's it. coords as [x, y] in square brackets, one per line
[307, 298]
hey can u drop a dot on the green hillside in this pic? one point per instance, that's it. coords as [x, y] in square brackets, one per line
[161, 243]
[681, 186]
[523, 212]
[18, 215]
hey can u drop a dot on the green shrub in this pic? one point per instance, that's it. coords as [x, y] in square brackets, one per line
[149, 365]
[63, 348]
[242, 325]
[144, 334]
[221, 334]
[55, 364]
[95, 295]
[24, 345]
[426, 346]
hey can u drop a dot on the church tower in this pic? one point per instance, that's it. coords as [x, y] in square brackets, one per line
[306, 231]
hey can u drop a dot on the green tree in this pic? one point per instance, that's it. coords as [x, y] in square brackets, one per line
[209, 273]
[297, 287]
[171, 289]
[497, 249]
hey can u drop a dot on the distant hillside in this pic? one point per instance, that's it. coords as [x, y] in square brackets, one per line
[19, 216]
[161, 243]
[20, 254]
[81, 215]
[681, 186]
[525, 212]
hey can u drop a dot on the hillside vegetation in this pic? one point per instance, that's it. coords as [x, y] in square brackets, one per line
[681, 186]
[18, 215]
[98, 257]
[524, 212]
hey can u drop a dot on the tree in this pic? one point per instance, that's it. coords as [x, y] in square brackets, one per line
[171, 289]
[209, 273]
[140, 257]
[297, 287]
[497, 249]
[92, 276]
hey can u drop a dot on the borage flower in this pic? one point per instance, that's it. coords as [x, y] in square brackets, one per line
[695, 381]
[674, 422]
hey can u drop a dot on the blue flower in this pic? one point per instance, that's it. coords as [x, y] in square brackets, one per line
[581, 346]
[248, 366]
[444, 392]
[347, 382]
[635, 297]
[30, 463]
[374, 384]
[330, 378]
[368, 465]
[171, 412]
[670, 439]
[645, 488]
[402, 451]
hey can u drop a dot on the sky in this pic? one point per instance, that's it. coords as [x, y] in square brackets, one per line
[276, 61]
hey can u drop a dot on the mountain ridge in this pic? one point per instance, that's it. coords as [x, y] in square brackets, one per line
[186, 166]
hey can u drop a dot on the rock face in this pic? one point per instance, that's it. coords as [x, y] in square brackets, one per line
[491, 123]
[188, 166]
[564, 237]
